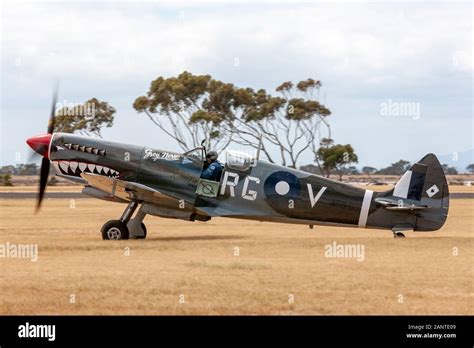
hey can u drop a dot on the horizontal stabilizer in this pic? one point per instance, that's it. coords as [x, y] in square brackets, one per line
[396, 203]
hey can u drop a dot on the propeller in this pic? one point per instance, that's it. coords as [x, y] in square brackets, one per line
[43, 150]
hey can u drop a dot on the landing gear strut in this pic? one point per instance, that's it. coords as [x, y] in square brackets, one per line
[136, 227]
[126, 227]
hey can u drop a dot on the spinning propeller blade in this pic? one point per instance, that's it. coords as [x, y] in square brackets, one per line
[40, 144]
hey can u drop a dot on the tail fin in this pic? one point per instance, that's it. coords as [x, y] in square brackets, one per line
[425, 183]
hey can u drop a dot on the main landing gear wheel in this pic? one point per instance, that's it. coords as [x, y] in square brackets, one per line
[114, 230]
[144, 231]
[398, 235]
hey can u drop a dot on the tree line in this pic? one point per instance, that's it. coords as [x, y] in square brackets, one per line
[397, 168]
[191, 108]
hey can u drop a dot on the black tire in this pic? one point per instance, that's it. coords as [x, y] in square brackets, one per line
[114, 230]
[399, 235]
[144, 231]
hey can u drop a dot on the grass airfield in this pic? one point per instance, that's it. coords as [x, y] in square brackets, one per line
[228, 266]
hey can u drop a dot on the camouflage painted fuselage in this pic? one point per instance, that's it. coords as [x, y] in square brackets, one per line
[262, 191]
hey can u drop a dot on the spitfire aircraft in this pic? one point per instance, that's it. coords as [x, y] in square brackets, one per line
[169, 185]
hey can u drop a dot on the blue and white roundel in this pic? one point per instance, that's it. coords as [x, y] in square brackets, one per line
[282, 185]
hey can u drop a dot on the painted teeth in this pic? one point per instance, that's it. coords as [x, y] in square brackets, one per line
[64, 166]
[76, 168]
[56, 166]
[73, 166]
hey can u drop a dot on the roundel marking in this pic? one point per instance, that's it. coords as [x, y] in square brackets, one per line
[282, 185]
[282, 188]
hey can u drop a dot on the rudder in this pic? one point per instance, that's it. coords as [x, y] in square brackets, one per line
[426, 184]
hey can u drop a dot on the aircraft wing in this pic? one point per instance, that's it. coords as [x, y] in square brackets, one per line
[117, 190]
[226, 210]
[126, 191]
[72, 178]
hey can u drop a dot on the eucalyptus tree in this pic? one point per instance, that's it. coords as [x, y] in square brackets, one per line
[189, 108]
[86, 118]
[290, 122]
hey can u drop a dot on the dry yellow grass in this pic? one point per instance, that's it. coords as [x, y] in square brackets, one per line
[461, 188]
[30, 188]
[452, 188]
[197, 260]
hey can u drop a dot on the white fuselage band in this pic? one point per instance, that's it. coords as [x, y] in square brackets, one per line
[364, 210]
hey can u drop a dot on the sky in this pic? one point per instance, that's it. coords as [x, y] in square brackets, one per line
[372, 58]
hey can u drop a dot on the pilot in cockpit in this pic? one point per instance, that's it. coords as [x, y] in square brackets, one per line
[212, 167]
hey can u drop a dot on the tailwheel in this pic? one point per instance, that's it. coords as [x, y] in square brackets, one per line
[144, 231]
[398, 235]
[114, 230]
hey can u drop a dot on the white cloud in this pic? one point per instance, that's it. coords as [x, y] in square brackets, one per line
[117, 43]
[360, 49]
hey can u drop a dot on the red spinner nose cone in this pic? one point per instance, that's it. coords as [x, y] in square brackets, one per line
[40, 144]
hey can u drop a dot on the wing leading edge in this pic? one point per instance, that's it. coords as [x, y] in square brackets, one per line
[128, 191]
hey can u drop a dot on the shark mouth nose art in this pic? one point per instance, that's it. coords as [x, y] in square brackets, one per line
[76, 168]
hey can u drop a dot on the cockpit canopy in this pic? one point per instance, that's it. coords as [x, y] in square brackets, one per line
[240, 161]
